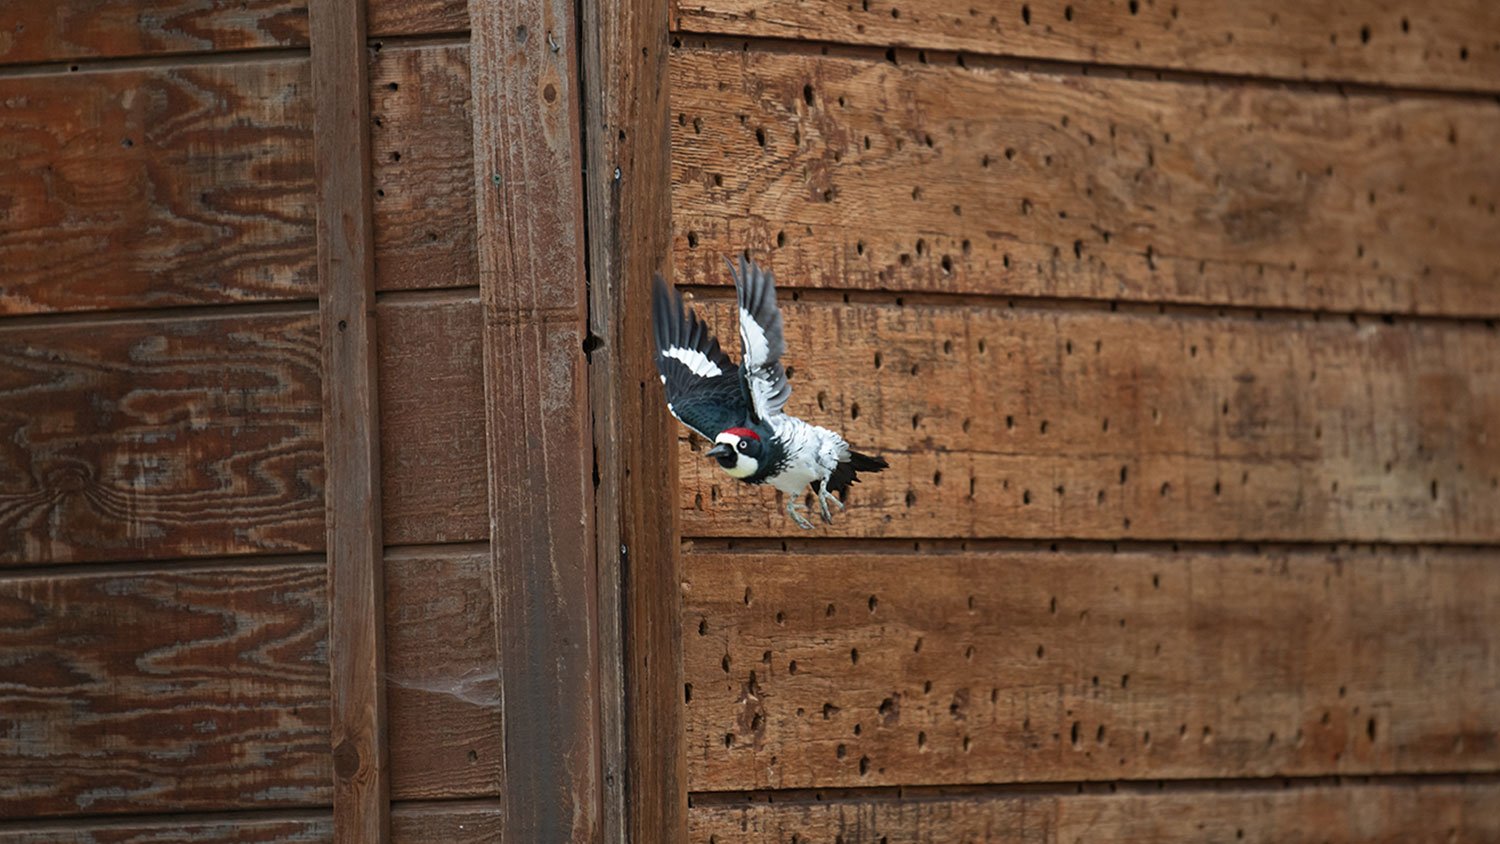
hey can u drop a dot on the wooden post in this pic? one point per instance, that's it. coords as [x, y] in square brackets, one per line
[346, 272]
[629, 190]
[529, 204]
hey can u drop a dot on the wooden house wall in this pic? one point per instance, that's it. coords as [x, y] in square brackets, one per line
[1176, 323]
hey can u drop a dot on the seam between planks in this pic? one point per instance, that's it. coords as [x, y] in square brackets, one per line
[1105, 70]
[1088, 304]
[155, 61]
[927, 793]
[960, 546]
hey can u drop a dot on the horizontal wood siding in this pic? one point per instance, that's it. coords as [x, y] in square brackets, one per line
[857, 172]
[177, 690]
[157, 187]
[1079, 423]
[815, 671]
[160, 438]
[1352, 814]
[1449, 44]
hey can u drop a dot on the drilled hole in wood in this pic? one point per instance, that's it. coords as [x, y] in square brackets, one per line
[724, 663]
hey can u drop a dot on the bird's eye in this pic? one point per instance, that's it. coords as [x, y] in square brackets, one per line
[744, 446]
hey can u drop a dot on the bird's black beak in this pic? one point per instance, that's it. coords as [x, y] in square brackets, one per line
[721, 450]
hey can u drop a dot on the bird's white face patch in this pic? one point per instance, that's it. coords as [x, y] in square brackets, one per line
[744, 465]
[696, 362]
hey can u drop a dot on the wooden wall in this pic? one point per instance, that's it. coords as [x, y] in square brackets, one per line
[164, 614]
[1176, 324]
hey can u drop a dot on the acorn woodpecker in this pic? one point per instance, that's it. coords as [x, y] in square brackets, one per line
[739, 408]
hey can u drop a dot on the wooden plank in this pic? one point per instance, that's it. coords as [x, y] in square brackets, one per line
[1450, 44]
[529, 205]
[346, 275]
[182, 690]
[59, 30]
[851, 172]
[410, 824]
[816, 671]
[629, 172]
[150, 188]
[422, 151]
[442, 684]
[418, 17]
[1348, 814]
[1091, 424]
[300, 827]
[431, 420]
[160, 439]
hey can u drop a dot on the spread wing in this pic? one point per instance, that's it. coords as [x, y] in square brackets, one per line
[761, 338]
[702, 384]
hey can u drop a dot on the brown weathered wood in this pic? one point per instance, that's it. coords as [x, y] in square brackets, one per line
[423, 164]
[59, 30]
[442, 685]
[346, 272]
[902, 668]
[300, 827]
[1453, 44]
[432, 420]
[458, 823]
[948, 178]
[187, 690]
[1086, 423]
[1348, 814]
[625, 68]
[147, 188]
[164, 438]
[418, 17]
[529, 206]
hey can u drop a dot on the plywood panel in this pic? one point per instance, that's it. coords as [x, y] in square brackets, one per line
[164, 691]
[812, 671]
[442, 684]
[59, 30]
[1079, 423]
[854, 172]
[432, 421]
[1420, 814]
[160, 438]
[423, 165]
[1447, 44]
[150, 188]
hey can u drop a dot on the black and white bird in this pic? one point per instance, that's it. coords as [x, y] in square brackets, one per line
[739, 408]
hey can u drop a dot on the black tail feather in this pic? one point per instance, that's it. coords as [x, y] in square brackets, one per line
[847, 472]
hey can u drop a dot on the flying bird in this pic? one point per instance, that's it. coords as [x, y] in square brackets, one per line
[739, 407]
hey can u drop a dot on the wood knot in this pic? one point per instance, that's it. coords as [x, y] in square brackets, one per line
[346, 760]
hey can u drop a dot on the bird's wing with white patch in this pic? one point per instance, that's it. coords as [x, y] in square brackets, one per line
[701, 382]
[761, 338]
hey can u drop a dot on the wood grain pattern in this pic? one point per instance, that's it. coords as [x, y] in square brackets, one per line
[884, 669]
[434, 487]
[418, 17]
[1349, 814]
[422, 157]
[1452, 44]
[160, 439]
[351, 424]
[442, 684]
[1091, 424]
[629, 192]
[150, 188]
[59, 30]
[302, 827]
[529, 206]
[851, 172]
[186, 690]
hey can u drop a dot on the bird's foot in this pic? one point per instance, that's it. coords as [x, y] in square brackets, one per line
[824, 497]
[792, 510]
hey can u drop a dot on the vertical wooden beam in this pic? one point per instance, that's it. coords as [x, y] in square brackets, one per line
[346, 272]
[629, 200]
[529, 202]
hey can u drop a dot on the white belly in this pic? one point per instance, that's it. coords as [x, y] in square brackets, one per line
[796, 477]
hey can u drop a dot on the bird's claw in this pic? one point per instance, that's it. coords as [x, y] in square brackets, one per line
[791, 510]
[824, 496]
